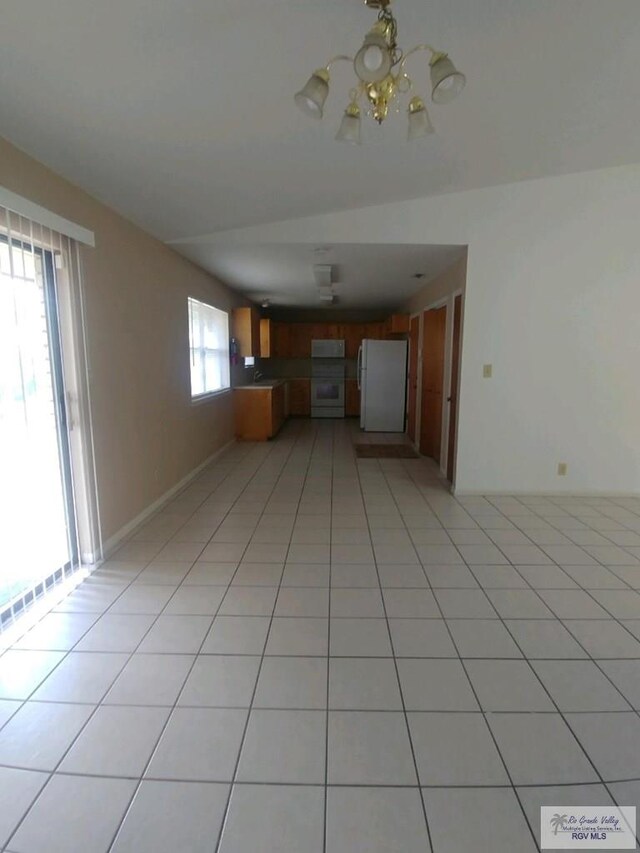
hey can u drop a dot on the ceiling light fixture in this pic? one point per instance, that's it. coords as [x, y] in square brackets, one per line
[380, 68]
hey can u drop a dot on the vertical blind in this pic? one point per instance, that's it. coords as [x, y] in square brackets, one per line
[39, 542]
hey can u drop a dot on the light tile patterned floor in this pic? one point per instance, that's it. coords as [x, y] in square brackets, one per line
[305, 653]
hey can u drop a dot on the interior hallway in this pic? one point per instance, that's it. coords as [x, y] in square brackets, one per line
[303, 653]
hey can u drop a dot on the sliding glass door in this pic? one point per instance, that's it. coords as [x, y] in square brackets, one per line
[38, 544]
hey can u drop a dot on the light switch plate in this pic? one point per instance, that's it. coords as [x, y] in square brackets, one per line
[487, 371]
[562, 469]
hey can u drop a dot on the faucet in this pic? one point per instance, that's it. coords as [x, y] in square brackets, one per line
[257, 376]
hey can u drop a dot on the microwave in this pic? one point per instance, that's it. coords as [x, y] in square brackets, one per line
[327, 349]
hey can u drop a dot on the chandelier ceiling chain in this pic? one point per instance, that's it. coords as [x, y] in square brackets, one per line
[380, 68]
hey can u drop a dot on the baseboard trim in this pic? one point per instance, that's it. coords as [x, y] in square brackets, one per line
[110, 544]
[516, 493]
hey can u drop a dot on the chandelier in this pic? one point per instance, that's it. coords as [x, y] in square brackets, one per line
[380, 68]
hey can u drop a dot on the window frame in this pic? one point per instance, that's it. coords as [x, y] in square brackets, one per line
[204, 396]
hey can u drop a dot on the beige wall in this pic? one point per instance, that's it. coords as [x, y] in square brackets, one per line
[448, 282]
[147, 434]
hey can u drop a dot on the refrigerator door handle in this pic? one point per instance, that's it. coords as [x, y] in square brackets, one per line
[359, 367]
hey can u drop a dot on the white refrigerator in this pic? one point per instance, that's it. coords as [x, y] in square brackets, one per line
[382, 381]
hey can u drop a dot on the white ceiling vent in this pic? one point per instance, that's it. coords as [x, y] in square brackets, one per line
[323, 275]
[326, 294]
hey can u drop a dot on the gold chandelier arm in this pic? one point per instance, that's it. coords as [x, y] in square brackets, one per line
[340, 58]
[434, 53]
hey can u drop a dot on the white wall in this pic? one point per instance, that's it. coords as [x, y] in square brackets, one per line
[552, 301]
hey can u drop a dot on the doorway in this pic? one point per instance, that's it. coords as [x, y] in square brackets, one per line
[434, 326]
[39, 543]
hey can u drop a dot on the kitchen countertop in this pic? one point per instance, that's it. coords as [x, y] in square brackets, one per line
[262, 385]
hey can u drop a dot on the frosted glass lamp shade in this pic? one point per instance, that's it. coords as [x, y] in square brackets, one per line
[373, 61]
[419, 121]
[310, 99]
[350, 127]
[446, 81]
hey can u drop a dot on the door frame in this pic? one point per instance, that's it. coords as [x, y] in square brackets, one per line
[417, 413]
[54, 330]
[449, 302]
[452, 438]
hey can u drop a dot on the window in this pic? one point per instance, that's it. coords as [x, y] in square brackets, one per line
[209, 348]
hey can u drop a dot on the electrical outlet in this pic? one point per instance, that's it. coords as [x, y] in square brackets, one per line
[487, 371]
[562, 469]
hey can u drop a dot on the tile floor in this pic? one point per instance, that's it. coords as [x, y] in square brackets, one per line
[305, 653]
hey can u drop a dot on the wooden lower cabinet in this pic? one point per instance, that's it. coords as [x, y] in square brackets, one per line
[259, 412]
[352, 399]
[300, 397]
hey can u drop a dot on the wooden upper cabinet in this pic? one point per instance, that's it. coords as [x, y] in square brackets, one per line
[301, 334]
[320, 331]
[374, 331]
[398, 324]
[281, 340]
[275, 339]
[245, 328]
[265, 338]
[293, 340]
[333, 332]
[325, 331]
[353, 334]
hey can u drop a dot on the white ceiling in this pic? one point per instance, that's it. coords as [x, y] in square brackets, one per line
[180, 114]
[365, 276]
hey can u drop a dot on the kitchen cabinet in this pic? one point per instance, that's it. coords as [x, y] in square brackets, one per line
[293, 340]
[352, 398]
[301, 334]
[265, 338]
[353, 333]
[259, 411]
[324, 331]
[281, 340]
[374, 331]
[287, 400]
[397, 324]
[275, 339]
[245, 328]
[300, 397]
[277, 409]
